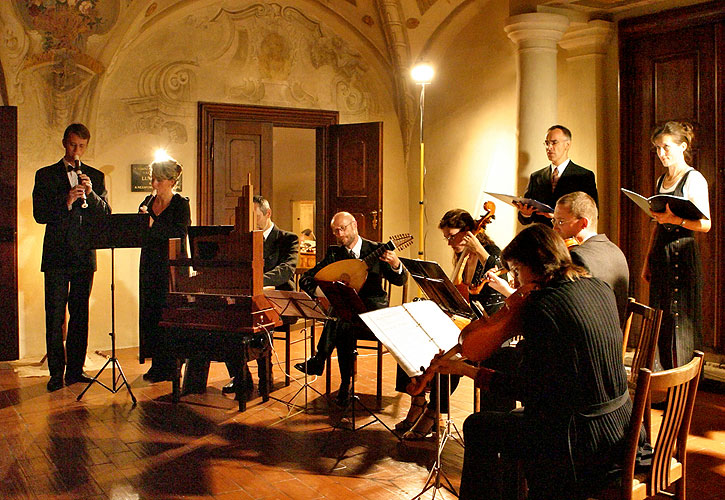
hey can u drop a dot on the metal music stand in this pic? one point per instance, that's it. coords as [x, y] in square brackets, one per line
[115, 231]
[347, 305]
[291, 304]
[435, 284]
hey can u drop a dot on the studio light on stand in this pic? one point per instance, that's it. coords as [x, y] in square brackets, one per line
[422, 75]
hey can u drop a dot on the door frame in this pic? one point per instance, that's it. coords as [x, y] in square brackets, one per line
[317, 119]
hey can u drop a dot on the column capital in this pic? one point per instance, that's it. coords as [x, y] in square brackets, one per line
[588, 39]
[536, 30]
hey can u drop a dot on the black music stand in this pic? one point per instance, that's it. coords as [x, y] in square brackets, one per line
[347, 305]
[115, 231]
[291, 304]
[435, 284]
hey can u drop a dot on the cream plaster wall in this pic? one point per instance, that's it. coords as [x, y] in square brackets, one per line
[470, 128]
[147, 99]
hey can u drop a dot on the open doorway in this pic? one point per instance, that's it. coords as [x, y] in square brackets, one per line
[293, 187]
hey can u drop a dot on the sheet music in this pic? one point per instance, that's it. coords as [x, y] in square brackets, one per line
[413, 333]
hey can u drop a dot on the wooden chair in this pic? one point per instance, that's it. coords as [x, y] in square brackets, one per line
[645, 322]
[669, 460]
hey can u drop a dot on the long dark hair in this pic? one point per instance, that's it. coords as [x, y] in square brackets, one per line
[542, 250]
[458, 218]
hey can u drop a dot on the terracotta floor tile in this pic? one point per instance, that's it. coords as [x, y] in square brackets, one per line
[103, 447]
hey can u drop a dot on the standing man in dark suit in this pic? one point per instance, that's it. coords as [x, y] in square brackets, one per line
[280, 263]
[337, 333]
[561, 177]
[575, 216]
[68, 264]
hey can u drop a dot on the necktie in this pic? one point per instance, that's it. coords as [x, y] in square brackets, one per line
[352, 254]
[554, 178]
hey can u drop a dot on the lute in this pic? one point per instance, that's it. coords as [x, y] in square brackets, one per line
[354, 272]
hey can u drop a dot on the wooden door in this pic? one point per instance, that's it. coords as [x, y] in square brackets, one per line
[9, 339]
[240, 148]
[668, 72]
[355, 177]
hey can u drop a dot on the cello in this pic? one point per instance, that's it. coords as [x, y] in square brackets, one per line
[471, 283]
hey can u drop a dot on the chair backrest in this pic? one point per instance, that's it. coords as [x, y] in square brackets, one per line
[646, 321]
[668, 462]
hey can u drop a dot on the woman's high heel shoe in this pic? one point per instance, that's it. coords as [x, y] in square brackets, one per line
[417, 406]
[422, 428]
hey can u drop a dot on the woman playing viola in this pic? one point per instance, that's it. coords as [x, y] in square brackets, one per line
[480, 254]
[571, 380]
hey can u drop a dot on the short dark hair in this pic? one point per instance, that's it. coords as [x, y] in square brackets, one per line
[543, 250]
[261, 201]
[78, 129]
[563, 129]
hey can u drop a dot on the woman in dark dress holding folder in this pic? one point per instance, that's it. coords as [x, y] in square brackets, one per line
[672, 266]
[170, 218]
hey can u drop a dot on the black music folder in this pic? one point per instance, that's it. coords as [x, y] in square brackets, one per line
[510, 199]
[118, 230]
[290, 304]
[681, 207]
[435, 284]
[346, 303]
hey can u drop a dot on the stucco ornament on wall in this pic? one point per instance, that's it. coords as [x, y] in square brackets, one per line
[61, 61]
[287, 58]
[164, 89]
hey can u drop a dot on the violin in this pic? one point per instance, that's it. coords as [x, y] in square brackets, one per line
[571, 242]
[474, 282]
[482, 337]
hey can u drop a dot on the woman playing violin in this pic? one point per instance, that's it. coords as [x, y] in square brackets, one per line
[570, 378]
[481, 254]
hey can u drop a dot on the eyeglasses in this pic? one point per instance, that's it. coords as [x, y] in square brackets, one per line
[552, 143]
[341, 229]
[561, 222]
[451, 236]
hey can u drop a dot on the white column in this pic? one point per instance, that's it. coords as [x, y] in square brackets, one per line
[585, 107]
[536, 36]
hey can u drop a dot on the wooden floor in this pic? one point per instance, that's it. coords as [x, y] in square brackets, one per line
[103, 447]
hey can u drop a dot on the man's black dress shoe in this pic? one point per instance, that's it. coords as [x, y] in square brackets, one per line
[343, 398]
[153, 372]
[159, 376]
[312, 366]
[78, 377]
[55, 383]
[231, 388]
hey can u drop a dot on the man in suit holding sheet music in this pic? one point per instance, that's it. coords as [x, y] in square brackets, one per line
[337, 333]
[560, 177]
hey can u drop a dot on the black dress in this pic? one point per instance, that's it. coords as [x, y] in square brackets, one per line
[154, 275]
[676, 288]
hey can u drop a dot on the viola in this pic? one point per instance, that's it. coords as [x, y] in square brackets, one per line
[571, 242]
[482, 337]
[471, 285]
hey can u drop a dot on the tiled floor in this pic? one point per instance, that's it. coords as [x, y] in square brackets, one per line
[52, 446]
